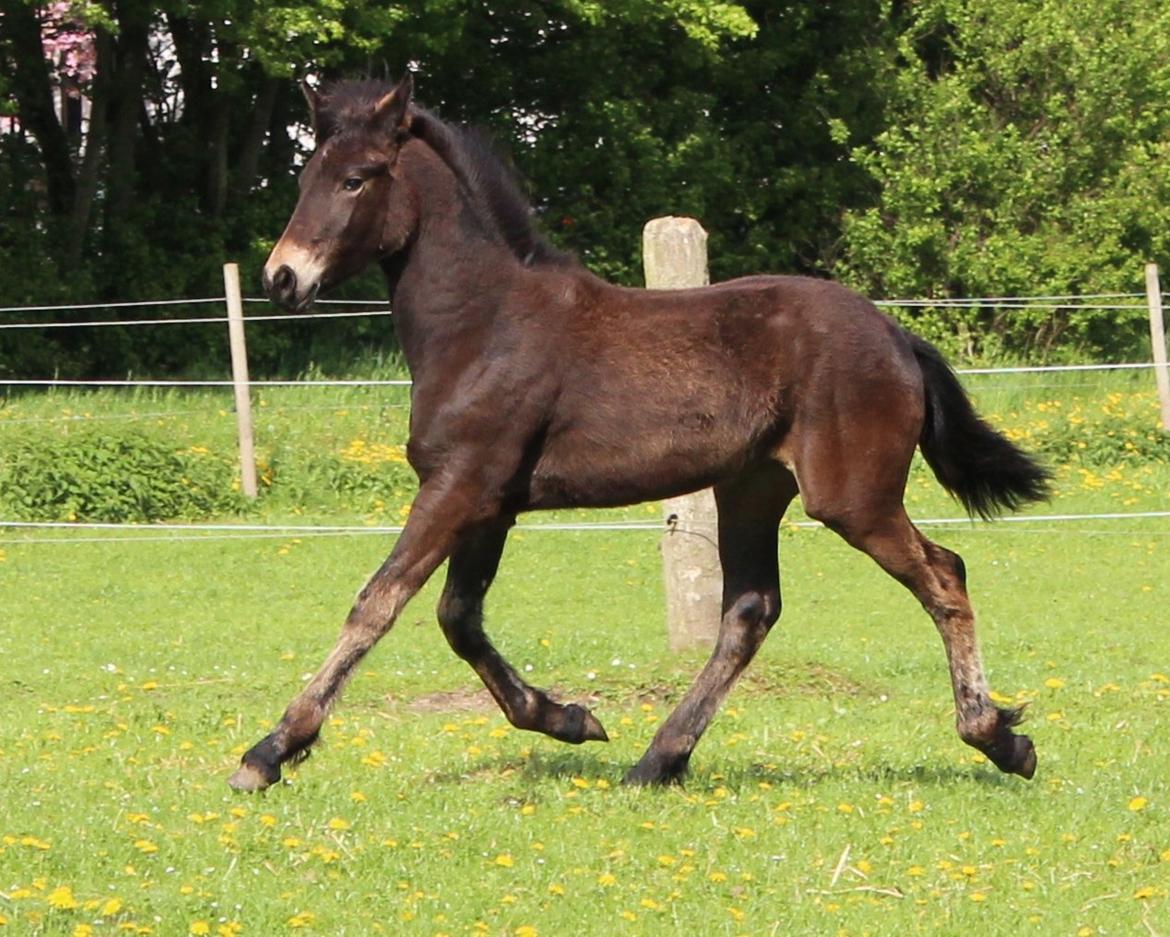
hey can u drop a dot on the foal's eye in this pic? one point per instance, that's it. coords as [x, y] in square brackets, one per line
[353, 183]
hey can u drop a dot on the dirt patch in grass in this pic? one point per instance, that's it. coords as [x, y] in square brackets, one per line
[474, 701]
[804, 679]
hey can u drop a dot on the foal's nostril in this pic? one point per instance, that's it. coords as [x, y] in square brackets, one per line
[281, 286]
[284, 284]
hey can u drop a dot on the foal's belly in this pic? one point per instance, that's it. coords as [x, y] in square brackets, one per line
[646, 467]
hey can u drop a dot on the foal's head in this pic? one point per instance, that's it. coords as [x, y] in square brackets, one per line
[352, 208]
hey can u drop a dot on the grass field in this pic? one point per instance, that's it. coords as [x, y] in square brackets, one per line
[831, 796]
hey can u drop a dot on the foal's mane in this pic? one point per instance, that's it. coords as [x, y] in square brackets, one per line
[487, 178]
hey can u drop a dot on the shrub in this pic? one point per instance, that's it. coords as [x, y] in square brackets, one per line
[94, 475]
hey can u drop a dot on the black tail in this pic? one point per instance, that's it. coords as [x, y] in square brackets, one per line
[975, 463]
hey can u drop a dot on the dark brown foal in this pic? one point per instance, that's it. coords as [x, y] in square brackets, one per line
[537, 385]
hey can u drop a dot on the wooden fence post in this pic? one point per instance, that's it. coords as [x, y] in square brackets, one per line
[674, 254]
[1158, 341]
[235, 311]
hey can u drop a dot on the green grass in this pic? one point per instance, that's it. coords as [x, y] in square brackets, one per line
[831, 796]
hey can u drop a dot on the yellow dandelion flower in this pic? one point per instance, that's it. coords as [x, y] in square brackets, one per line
[505, 859]
[1138, 803]
[337, 823]
[526, 930]
[628, 915]
[1054, 683]
[81, 930]
[62, 898]
[606, 879]
[556, 888]
[1146, 892]
[650, 904]
[302, 919]
[145, 845]
[111, 907]
[199, 928]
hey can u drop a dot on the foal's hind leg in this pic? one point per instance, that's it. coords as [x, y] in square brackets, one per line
[750, 508]
[937, 578]
[471, 570]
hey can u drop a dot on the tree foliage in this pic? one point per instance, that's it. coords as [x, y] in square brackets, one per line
[934, 148]
[1027, 152]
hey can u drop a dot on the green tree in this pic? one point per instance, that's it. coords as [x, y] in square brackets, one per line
[1027, 151]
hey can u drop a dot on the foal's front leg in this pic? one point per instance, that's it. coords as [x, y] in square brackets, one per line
[431, 531]
[469, 575]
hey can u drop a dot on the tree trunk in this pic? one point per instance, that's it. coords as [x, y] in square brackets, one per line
[33, 88]
[91, 161]
[217, 163]
[248, 161]
[129, 61]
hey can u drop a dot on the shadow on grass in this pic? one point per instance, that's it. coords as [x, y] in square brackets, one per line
[592, 764]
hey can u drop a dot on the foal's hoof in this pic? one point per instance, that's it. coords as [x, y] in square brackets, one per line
[591, 729]
[1015, 755]
[576, 724]
[251, 778]
[653, 771]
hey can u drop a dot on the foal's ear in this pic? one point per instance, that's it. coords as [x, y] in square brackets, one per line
[391, 114]
[315, 102]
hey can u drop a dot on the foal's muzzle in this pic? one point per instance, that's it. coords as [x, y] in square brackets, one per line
[282, 288]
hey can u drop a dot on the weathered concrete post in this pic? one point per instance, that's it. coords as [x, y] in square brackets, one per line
[674, 254]
[1158, 341]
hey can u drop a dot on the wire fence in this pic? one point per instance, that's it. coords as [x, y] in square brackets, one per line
[198, 532]
[378, 308]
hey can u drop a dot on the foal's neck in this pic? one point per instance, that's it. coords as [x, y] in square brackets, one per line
[453, 275]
